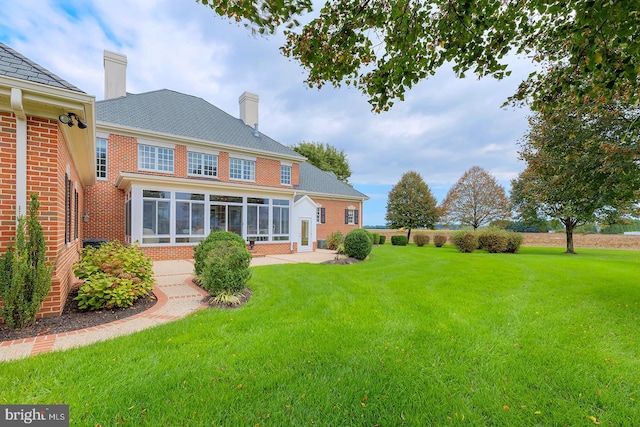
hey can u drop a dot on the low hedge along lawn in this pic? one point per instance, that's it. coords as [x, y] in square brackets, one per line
[399, 240]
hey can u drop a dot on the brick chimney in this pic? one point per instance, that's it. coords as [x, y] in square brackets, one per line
[249, 109]
[115, 75]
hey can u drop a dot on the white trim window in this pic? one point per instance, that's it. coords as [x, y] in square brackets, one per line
[280, 215]
[202, 164]
[285, 174]
[101, 158]
[351, 216]
[189, 217]
[156, 216]
[257, 219]
[242, 169]
[155, 159]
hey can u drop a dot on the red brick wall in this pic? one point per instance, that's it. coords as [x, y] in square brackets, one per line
[104, 203]
[7, 179]
[186, 252]
[47, 160]
[65, 254]
[334, 217]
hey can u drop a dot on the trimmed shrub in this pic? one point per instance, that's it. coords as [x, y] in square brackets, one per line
[493, 240]
[439, 240]
[226, 268]
[357, 244]
[25, 276]
[383, 239]
[376, 238]
[401, 240]
[465, 241]
[421, 239]
[334, 240]
[201, 252]
[514, 242]
[366, 232]
[114, 276]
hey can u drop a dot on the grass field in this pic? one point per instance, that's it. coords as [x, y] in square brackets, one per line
[413, 336]
[581, 240]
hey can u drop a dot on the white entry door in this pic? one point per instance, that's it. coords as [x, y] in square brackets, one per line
[304, 244]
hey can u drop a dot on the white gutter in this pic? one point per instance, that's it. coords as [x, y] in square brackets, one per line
[21, 152]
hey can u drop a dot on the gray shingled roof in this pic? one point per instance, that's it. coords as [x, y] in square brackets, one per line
[187, 116]
[314, 180]
[12, 64]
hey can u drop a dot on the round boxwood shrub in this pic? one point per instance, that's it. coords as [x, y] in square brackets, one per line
[421, 239]
[439, 240]
[465, 241]
[357, 244]
[201, 252]
[383, 239]
[226, 268]
[401, 240]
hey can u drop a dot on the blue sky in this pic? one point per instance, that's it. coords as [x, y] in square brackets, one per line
[444, 127]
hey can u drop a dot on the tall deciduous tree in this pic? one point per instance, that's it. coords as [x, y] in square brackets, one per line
[384, 47]
[476, 199]
[411, 204]
[325, 157]
[582, 165]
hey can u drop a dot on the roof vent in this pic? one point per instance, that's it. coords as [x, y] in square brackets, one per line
[255, 130]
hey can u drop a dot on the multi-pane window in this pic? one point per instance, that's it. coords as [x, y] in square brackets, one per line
[156, 159]
[202, 164]
[242, 169]
[285, 175]
[257, 218]
[189, 217]
[350, 216]
[280, 218]
[156, 216]
[101, 158]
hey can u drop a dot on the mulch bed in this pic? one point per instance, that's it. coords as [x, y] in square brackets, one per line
[342, 261]
[73, 319]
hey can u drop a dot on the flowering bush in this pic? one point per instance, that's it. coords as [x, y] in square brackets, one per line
[114, 276]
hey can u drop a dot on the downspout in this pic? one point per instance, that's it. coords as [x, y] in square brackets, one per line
[293, 201]
[21, 152]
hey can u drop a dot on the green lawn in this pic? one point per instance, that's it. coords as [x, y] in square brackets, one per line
[413, 336]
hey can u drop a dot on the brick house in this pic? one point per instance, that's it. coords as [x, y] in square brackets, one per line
[39, 154]
[159, 168]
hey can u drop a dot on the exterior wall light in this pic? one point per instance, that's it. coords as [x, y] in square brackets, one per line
[67, 119]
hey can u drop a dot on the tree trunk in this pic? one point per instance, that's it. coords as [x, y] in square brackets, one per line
[409, 236]
[569, 226]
